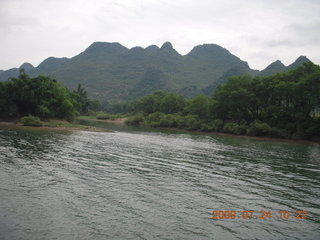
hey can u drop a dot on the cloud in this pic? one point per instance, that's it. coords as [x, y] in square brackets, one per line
[256, 31]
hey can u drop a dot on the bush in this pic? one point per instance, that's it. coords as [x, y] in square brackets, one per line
[135, 120]
[235, 128]
[192, 122]
[181, 122]
[170, 120]
[217, 125]
[259, 129]
[205, 127]
[31, 121]
[155, 117]
[279, 133]
[307, 129]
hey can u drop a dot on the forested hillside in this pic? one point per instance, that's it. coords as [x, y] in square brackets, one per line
[111, 72]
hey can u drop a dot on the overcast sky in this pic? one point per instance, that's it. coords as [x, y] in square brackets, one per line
[257, 31]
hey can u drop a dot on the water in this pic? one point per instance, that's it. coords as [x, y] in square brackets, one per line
[143, 185]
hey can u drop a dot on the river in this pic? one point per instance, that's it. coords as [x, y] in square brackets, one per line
[156, 185]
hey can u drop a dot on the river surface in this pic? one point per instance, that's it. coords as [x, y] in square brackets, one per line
[155, 185]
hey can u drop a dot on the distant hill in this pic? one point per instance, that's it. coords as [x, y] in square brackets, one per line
[273, 68]
[278, 66]
[113, 72]
[297, 63]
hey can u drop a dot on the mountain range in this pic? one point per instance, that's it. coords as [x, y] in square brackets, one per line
[112, 72]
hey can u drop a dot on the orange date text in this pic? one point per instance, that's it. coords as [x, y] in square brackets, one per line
[263, 214]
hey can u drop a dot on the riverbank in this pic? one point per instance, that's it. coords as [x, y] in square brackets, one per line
[122, 121]
[56, 125]
[244, 136]
[94, 119]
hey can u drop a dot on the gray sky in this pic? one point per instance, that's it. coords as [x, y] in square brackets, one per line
[257, 31]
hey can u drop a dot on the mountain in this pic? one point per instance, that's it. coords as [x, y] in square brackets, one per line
[5, 75]
[113, 72]
[51, 64]
[273, 68]
[278, 66]
[300, 60]
[27, 67]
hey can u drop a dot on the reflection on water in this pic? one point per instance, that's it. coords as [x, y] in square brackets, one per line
[142, 185]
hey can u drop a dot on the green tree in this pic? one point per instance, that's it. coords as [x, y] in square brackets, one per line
[172, 103]
[200, 106]
[287, 102]
[41, 96]
[82, 99]
[150, 103]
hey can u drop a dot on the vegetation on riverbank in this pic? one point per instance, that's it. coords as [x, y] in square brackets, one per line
[51, 124]
[114, 118]
[42, 97]
[284, 105]
[43, 102]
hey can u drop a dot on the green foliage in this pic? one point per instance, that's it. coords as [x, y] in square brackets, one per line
[259, 129]
[169, 120]
[84, 104]
[307, 129]
[233, 100]
[150, 103]
[192, 122]
[278, 105]
[91, 113]
[172, 103]
[216, 125]
[106, 116]
[135, 120]
[41, 96]
[113, 72]
[31, 121]
[154, 119]
[284, 105]
[235, 128]
[118, 107]
[103, 116]
[200, 106]
[93, 105]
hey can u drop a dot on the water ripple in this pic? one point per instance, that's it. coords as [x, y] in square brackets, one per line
[139, 185]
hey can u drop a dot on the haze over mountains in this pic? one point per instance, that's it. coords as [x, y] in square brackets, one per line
[113, 72]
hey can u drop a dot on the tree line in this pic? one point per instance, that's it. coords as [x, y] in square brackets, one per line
[41, 96]
[285, 105]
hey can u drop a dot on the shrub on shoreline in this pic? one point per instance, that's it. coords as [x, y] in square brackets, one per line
[31, 121]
